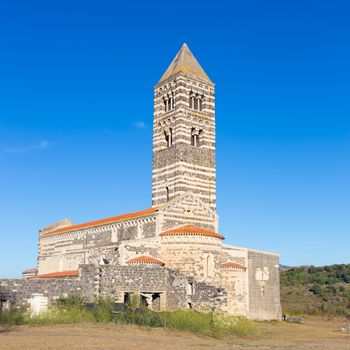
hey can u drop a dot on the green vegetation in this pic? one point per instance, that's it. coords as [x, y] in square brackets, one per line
[321, 290]
[11, 318]
[209, 324]
[73, 310]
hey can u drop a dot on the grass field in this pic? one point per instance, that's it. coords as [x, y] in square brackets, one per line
[316, 333]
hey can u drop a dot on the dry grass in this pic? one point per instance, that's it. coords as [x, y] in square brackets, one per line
[316, 333]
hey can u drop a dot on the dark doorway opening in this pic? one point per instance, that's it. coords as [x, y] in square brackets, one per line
[126, 298]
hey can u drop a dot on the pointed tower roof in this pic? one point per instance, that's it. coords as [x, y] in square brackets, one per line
[185, 62]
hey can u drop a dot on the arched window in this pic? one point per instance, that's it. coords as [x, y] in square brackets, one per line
[210, 266]
[192, 137]
[196, 101]
[189, 288]
[200, 138]
[169, 137]
[195, 140]
[103, 260]
[192, 100]
[195, 137]
[169, 103]
[167, 193]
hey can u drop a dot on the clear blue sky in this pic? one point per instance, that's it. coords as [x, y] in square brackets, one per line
[76, 94]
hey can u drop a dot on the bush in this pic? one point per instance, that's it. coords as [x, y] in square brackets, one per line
[208, 324]
[192, 321]
[14, 317]
[72, 309]
[71, 301]
[104, 310]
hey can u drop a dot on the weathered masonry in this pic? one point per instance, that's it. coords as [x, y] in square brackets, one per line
[171, 255]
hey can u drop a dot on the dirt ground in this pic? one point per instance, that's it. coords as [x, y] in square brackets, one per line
[315, 334]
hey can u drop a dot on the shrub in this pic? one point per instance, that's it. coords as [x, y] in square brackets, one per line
[193, 321]
[71, 301]
[103, 310]
[209, 324]
[73, 310]
[14, 317]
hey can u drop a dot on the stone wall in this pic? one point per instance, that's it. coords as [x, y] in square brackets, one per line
[264, 285]
[66, 251]
[18, 292]
[235, 281]
[131, 249]
[187, 209]
[182, 166]
[251, 292]
[195, 256]
[176, 290]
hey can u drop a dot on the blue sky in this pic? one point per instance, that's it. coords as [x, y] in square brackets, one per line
[76, 94]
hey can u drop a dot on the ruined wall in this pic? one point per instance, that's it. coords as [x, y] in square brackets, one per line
[251, 292]
[19, 292]
[264, 285]
[235, 281]
[176, 290]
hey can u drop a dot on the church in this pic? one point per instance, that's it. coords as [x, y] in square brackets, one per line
[172, 254]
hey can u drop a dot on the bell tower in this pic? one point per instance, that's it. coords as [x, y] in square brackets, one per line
[184, 132]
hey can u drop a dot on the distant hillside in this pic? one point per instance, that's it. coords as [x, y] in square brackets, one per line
[284, 267]
[316, 290]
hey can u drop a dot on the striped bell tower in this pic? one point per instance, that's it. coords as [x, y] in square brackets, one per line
[184, 132]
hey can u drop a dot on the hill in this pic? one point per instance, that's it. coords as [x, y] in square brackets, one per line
[316, 290]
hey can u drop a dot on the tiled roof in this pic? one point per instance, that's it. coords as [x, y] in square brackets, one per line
[233, 265]
[191, 230]
[104, 221]
[33, 270]
[145, 260]
[72, 273]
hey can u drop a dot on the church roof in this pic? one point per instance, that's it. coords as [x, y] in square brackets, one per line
[61, 274]
[191, 230]
[185, 62]
[145, 260]
[233, 265]
[29, 271]
[112, 219]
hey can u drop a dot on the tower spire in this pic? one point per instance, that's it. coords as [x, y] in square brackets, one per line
[184, 133]
[185, 62]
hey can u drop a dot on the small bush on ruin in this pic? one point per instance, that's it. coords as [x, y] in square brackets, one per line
[103, 309]
[71, 301]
